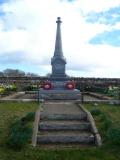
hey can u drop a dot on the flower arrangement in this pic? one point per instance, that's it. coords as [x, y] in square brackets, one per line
[47, 85]
[70, 85]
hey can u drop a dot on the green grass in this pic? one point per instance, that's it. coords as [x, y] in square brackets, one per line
[108, 118]
[111, 111]
[11, 111]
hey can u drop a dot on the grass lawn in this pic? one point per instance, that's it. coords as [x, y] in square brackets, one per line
[11, 111]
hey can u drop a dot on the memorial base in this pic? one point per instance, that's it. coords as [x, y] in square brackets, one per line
[59, 94]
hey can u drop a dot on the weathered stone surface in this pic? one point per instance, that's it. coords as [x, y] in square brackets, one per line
[58, 61]
[59, 94]
[64, 125]
[58, 78]
[65, 138]
[80, 116]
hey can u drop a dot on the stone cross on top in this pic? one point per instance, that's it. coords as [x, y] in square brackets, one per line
[58, 20]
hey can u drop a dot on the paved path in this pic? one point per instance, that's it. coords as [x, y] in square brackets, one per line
[61, 108]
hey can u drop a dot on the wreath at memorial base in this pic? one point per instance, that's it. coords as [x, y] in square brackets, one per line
[70, 85]
[47, 85]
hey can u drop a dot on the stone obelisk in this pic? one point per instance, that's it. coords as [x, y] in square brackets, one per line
[58, 86]
[58, 61]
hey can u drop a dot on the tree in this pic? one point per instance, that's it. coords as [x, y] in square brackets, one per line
[13, 73]
[1, 74]
[31, 74]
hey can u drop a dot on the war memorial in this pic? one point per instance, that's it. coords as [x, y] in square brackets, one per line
[59, 117]
[61, 120]
[58, 120]
[58, 86]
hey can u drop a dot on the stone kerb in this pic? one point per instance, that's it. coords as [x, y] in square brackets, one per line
[36, 123]
[94, 129]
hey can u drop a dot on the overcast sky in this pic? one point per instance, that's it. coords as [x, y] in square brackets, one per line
[90, 36]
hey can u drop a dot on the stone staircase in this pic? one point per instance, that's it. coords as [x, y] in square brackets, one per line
[64, 124]
[64, 129]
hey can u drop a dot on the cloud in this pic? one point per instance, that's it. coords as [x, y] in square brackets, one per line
[28, 28]
[111, 16]
[95, 6]
[111, 38]
[13, 40]
[13, 58]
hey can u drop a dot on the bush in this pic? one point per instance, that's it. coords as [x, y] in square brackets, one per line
[20, 132]
[103, 117]
[3, 91]
[95, 111]
[113, 135]
[30, 88]
[107, 123]
[19, 136]
[13, 87]
[29, 117]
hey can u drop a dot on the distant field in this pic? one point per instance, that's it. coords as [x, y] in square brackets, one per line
[10, 111]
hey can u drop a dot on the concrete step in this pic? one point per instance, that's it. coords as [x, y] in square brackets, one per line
[81, 116]
[64, 146]
[63, 132]
[65, 137]
[63, 121]
[64, 125]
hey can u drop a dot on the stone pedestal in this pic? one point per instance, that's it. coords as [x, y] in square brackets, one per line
[59, 92]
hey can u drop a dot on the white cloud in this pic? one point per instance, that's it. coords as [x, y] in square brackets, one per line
[97, 58]
[11, 41]
[29, 26]
[95, 5]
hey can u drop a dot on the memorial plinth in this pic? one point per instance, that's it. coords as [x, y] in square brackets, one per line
[59, 94]
[59, 87]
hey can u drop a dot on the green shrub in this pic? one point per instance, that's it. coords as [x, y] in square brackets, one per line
[19, 136]
[13, 87]
[30, 88]
[3, 91]
[113, 135]
[107, 123]
[95, 111]
[20, 132]
[29, 117]
[103, 117]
